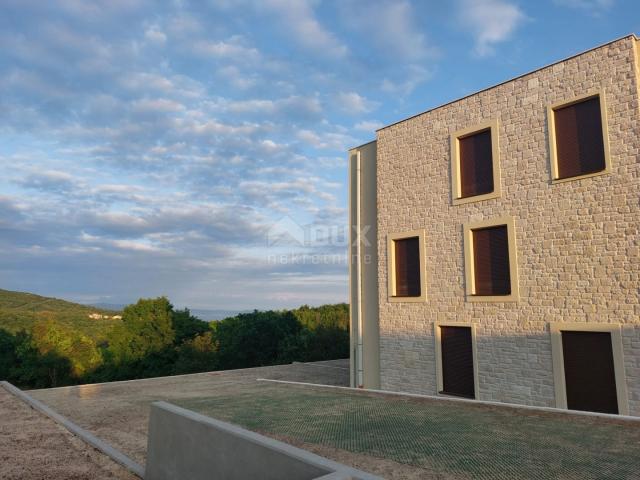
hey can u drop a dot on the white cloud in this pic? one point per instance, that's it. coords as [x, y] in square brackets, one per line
[325, 140]
[586, 4]
[412, 77]
[391, 24]
[299, 18]
[490, 21]
[233, 48]
[354, 103]
[293, 105]
[368, 126]
[157, 105]
[154, 35]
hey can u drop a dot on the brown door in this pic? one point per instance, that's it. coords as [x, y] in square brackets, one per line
[588, 370]
[457, 361]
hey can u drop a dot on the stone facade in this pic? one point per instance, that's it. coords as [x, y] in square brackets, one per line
[577, 241]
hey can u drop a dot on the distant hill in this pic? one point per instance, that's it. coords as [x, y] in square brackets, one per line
[20, 311]
[208, 315]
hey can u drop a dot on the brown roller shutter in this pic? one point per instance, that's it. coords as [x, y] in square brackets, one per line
[476, 164]
[457, 361]
[589, 372]
[491, 261]
[579, 142]
[407, 262]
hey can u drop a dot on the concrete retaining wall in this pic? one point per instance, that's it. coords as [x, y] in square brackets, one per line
[184, 444]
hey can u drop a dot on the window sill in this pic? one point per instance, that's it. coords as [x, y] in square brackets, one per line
[420, 299]
[476, 198]
[493, 298]
[606, 171]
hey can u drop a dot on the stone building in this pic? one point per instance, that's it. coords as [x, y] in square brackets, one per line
[495, 242]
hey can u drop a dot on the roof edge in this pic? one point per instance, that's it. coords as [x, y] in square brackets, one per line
[362, 145]
[629, 35]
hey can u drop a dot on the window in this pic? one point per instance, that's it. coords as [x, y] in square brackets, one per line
[490, 261]
[456, 365]
[475, 169]
[578, 138]
[407, 267]
[588, 367]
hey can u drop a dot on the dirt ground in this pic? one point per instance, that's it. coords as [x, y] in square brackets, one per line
[32, 446]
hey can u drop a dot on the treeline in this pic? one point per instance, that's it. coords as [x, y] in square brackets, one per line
[153, 339]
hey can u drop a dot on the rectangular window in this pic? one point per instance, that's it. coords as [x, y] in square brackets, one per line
[578, 138]
[475, 169]
[491, 272]
[476, 164]
[491, 261]
[406, 261]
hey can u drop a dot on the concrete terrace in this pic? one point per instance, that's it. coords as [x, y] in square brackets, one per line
[388, 435]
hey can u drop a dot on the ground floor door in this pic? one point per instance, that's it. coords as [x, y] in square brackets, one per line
[589, 371]
[457, 361]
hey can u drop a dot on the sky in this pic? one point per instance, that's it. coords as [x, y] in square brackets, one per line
[197, 149]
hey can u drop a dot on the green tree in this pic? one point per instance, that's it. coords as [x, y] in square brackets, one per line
[186, 326]
[51, 337]
[329, 316]
[255, 339]
[8, 358]
[35, 369]
[146, 329]
[197, 354]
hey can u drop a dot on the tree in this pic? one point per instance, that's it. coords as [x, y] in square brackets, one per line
[330, 316]
[254, 339]
[81, 351]
[35, 369]
[186, 326]
[197, 354]
[146, 329]
[8, 358]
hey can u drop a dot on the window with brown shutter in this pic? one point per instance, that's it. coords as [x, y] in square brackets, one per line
[491, 261]
[579, 139]
[476, 164]
[407, 267]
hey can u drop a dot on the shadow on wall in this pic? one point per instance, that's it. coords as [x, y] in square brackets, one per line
[514, 369]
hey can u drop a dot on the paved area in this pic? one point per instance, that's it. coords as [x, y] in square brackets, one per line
[392, 436]
[32, 446]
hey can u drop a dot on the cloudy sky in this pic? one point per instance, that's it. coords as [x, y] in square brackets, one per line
[153, 148]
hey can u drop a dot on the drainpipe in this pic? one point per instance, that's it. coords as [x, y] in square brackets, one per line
[359, 360]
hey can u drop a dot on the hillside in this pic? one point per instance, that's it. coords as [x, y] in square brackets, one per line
[20, 311]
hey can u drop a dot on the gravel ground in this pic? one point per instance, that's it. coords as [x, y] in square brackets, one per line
[32, 446]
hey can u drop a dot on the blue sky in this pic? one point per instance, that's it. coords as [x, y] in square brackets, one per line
[154, 148]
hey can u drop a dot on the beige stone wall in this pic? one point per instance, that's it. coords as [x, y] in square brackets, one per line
[577, 242]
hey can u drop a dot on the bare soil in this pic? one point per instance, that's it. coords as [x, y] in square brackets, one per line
[32, 446]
